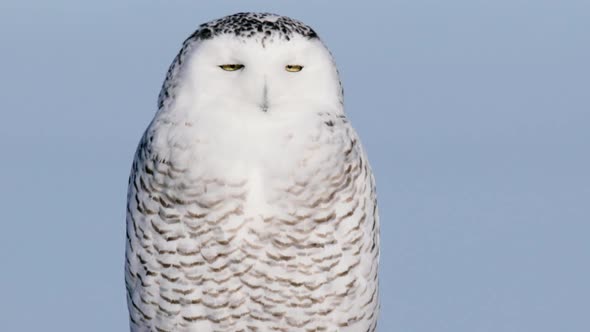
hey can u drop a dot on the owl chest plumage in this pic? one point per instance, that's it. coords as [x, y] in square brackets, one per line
[224, 235]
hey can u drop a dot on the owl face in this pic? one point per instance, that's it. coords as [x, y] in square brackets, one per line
[261, 73]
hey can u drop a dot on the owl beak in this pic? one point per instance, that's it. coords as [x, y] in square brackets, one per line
[264, 104]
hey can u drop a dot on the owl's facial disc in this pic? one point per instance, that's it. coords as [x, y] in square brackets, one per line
[242, 75]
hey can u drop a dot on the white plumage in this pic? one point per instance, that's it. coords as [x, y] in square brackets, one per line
[251, 205]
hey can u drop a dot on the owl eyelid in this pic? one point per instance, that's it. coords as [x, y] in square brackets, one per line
[231, 66]
[293, 68]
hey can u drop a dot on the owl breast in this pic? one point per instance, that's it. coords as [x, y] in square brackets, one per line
[274, 231]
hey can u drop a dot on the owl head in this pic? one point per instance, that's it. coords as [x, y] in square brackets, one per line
[252, 63]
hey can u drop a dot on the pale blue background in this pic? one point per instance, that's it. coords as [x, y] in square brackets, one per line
[476, 116]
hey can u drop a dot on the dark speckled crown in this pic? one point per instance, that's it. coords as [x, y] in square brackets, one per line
[254, 25]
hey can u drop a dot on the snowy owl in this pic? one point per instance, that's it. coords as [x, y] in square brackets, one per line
[251, 204]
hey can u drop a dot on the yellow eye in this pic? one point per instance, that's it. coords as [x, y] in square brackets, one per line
[293, 68]
[231, 67]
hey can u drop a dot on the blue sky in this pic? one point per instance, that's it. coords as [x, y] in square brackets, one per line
[475, 114]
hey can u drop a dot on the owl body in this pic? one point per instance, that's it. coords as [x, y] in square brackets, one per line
[251, 205]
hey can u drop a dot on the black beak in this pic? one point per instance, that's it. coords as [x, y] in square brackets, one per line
[264, 105]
